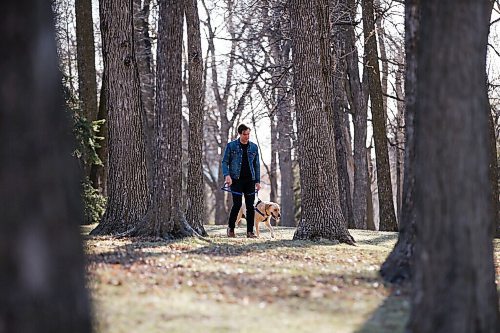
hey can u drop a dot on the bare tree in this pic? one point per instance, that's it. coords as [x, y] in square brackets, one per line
[127, 184]
[357, 97]
[99, 173]
[145, 63]
[398, 265]
[454, 282]
[277, 28]
[87, 86]
[321, 212]
[42, 273]
[338, 19]
[221, 94]
[494, 175]
[195, 185]
[386, 207]
[165, 217]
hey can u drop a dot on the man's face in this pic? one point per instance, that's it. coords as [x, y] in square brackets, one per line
[245, 136]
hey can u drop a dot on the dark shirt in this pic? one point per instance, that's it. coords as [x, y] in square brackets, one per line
[245, 173]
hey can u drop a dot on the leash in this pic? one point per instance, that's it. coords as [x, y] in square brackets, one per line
[227, 188]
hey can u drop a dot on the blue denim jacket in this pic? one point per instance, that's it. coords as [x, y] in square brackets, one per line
[231, 161]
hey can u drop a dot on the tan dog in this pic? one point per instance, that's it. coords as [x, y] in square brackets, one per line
[263, 213]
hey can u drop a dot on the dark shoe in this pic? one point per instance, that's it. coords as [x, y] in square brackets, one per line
[251, 235]
[230, 233]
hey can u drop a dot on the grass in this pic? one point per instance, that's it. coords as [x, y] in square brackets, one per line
[244, 285]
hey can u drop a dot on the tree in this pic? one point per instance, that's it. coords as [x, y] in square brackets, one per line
[397, 268]
[144, 58]
[494, 175]
[222, 100]
[321, 213]
[454, 281]
[339, 16]
[41, 259]
[128, 193]
[99, 173]
[278, 29]
[386, 207]
[357, 97]
[87, 86]
[165, 216]
[195, 187]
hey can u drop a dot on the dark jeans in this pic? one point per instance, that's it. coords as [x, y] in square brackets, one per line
[248, 189]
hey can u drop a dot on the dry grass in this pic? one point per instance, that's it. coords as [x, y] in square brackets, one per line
[242, 285]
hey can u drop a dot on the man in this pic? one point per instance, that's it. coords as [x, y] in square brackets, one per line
[241, 170]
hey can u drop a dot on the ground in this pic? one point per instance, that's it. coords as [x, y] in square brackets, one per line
[245, 285]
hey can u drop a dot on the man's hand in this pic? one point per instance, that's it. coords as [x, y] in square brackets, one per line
[229, 181]
[257, 186]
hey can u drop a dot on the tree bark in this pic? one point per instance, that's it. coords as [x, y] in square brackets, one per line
[42, 276]
[145, 60]
[454, 282]
[370, 219]
[494, 176]
[358, 104]
[384, 73]
[144, 56]
[321, 215]
[85, 51]
[386, 207]
[339, 40]
[280, 53]
[273, 175]
[165, 217]
[400, 123]
[398, 267]
[196, 216]
[99, 173]
[127, 187]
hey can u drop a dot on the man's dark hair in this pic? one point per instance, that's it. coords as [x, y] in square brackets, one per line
[242, 128]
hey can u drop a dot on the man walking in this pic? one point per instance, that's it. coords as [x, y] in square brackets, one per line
[241, 170]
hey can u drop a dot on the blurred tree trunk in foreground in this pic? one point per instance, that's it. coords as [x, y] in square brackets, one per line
[41, 259]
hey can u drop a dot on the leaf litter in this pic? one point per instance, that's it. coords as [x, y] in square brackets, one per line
[203, 285]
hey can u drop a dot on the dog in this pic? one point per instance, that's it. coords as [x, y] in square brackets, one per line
[264, 210]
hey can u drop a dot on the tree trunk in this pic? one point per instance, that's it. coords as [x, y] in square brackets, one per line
[454, 280]
[42, 276]
[99, 173]
[280, 52]
[127, 187]
[400, 133]
[359, 110]
[321, 215]
[370, 219]
[196, 215]
[397, 268]
[144, 60]
[144, 56]
[222, 201]
[386, 206]
[339, 37]
[85, 50]
[494, 176]
[380, 33]
[165, 217]
[273, 176]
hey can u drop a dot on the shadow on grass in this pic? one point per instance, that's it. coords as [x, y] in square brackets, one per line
[217, 246]
[391, 316]
[383, 238]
